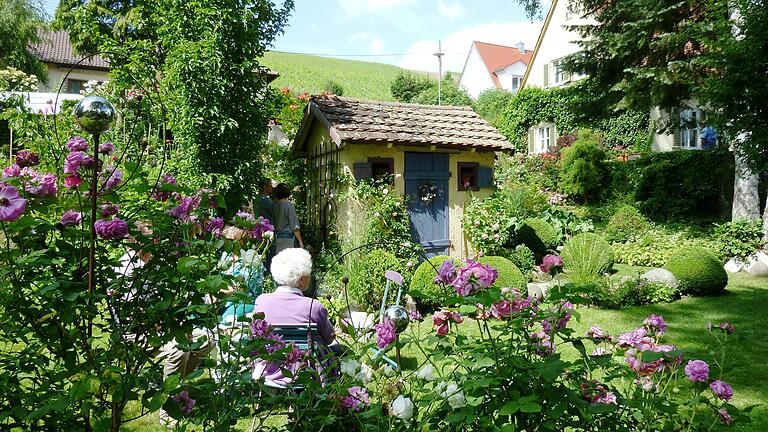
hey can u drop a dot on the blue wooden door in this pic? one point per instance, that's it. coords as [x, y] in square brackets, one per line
[426, 187]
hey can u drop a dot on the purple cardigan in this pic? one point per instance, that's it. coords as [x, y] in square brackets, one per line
[289, 306]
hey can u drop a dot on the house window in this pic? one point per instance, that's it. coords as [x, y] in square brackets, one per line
[382, 169]
[543, 139]
[560, 75]
[516, 81]
[75, 86]
[689, 129]
[467, 177]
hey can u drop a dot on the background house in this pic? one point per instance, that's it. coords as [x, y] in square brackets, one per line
[490, 66]
[420, 146]
[65, 65]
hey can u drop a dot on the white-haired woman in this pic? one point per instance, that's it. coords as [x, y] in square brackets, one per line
[291, 269]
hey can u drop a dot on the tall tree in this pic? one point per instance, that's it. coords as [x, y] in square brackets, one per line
[19, 21]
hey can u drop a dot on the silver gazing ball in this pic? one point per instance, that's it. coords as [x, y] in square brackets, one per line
[399, 317]
[95, 114]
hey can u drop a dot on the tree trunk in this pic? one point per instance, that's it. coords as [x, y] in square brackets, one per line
[765, 220]
[746, 202]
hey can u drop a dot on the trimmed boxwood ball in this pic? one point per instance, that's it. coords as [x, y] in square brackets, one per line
[431, 295]
[538, 235]
[698, 271]
[509, 275]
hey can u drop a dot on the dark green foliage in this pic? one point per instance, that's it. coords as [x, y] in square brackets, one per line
[698, 271]
[334, 88]
[633, 292]
[586, 257]
[739, 239]
[509, 275]
[19, 21]
[522, 257]
[625, 224]
[451, 94]
[683, 184]
[491, 104]
[538, 235]
[430, 295]
[583, 168]
[407, 85]
[367, 282]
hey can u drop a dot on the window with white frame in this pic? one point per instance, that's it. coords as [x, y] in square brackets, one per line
[689, 129]
[516, 81]
[559, 75]
[543, 138]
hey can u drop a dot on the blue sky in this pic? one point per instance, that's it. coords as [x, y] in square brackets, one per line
[401, 32]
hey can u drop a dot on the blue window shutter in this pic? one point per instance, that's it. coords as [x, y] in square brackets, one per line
[485, 177]
[363, 171]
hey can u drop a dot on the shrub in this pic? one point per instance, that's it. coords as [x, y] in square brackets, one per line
[522, 257]
[334, 88]
[366, 283]
[586, 256]
[739, 239]
[698, 271]
[584, 170]
[509, 275]
[631, 292]
[423, 287]
[406, 86]
[538, 235]
[625, 224]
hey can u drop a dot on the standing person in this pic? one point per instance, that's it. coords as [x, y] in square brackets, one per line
[286, 223]
[708, 137]
[265, 202]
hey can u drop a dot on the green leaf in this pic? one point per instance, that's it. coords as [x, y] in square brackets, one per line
[601, 408]
[467, 309]
[530, 407]
[509, 408]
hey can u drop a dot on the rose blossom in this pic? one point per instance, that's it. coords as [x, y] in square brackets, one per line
[357, 399]
[76, 160]
[107, 148]
[215, 226]
[402, 408]
[727, 327]
[385, 333]
[442, 320]
[474, 276]
[72, 181]
[415, 315]
[11, 204]
[26, 158]
[259, 328]
[13, 170]
[501, 309]
[41, 184]
[631, 339]
[551, 263]
[605, 398]
[185, 402]
[76, 144]
[111, 229]
[71, 217]
[108, 209]
[595, 332]
[722, 390]
[165, 179]
[426, 373]
[725, 417]
[262, 227]
[184, 209]
[113, 177]
[697, 371]
[446, 273]
[655, 324]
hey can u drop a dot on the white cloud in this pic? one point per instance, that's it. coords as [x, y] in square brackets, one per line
[456, 45]
[451, 10]
[377, 46]
[358, 7]
[359, 40]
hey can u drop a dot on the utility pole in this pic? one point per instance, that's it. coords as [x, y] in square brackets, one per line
[439, 54]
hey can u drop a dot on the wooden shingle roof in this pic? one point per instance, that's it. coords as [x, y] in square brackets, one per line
[366, 121]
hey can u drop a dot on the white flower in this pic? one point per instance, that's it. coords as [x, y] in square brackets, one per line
[409, 264]
[376, 214]
[250, 258]
[457, 400]
[447, 390]
[495, 227]
[402, 408]
[477, 222]
[349, 367]
[385, 191]
[268, 235]
[388, 370]
[426, 373]
[484, 236]
[366, 374]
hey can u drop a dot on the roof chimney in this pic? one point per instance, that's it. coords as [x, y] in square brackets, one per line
[521, 47]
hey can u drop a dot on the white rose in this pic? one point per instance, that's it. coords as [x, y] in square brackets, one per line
[385, 191]
[484, 236]
[426, 373]
[376, 214]
[268, 235]
[477, 222]
[409, 264]
[349, 367]
[250, 258]
[366, 374]
[457, 400]
[402, 407]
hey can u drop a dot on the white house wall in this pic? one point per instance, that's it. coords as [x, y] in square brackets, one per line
[57, 73]
[506, 74]
[475, 78]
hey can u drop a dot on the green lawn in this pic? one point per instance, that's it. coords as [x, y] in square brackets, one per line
[365, 80]
[744, 305]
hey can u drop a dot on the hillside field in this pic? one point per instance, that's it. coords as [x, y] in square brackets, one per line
[359, 79]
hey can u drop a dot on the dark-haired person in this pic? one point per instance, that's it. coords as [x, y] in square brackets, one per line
[265, 202]
[286, 223]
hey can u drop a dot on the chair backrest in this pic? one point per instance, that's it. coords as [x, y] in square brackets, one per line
[304, 336]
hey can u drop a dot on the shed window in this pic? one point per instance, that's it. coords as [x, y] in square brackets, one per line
[467, 177]
[382, 169]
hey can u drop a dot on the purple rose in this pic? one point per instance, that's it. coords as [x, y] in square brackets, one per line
[41, 184]
[722, 390]
[501, 309]
[655, 324]
[12, 171]
[357, 399]
[165, 179]
[11, 204]
[725, 417]
[76, 144]
[184, 209]
[72, 181]
[551, 263]
[595, 332]
[215, 226]
[76, 160]
[259, 328]
[26, 158]
[111, 229]
[108, 209]
[697, 371]
[631, 339]
[474, 276]
[605, 398]
[107, 148]
[446, 273]
[113, 177]
[385, 333]
[186, 403]
[415, 315]
[71, 217]
[262, 226]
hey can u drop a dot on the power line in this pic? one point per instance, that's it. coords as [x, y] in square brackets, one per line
[369, 55]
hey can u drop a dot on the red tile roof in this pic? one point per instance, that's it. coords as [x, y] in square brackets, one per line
[54, 47]
[498, 57]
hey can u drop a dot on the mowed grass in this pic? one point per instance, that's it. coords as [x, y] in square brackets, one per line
[745, 305]
[359, 79]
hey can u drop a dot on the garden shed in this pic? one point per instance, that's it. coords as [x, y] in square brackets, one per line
[437, 156]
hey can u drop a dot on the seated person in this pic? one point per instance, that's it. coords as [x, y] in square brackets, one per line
[246, 266]
[291, 270]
